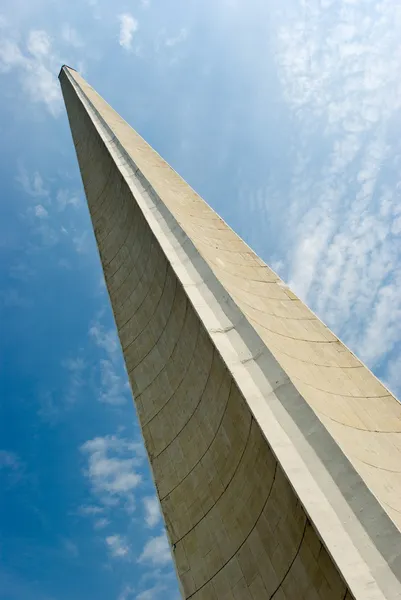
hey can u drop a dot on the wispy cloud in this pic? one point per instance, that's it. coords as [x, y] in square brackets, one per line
[127, 593]
[114, 469]
[39, 44]
[156, 551]
[90, 510]
[113, 387]
[70, 548]
[42, 225]
[118, 546]
[12, 298]
[178, 39]
[82, 242]
[36, 66]
[48, 217]
[152, 510]
[104, 338]
[40, 212]
[340, 81]
[65, 198]
[12, 467]
[21, 271]
[76, 370]
[128, 26]
[392, 376]
[32, 185]
[54, 404]
[49, 407]
[71, 36]
[154, 593]
[101, 523]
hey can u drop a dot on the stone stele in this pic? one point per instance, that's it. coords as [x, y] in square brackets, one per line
[275, 452]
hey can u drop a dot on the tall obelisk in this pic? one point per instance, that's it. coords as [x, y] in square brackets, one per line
[275, 452]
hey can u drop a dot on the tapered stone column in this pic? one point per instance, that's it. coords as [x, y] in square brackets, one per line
[275, 452]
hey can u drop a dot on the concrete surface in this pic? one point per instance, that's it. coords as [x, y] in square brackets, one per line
[275, 451]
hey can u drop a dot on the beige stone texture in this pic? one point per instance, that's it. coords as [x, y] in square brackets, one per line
[275, 451]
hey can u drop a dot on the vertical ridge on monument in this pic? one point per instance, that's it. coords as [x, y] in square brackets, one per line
[275, 451]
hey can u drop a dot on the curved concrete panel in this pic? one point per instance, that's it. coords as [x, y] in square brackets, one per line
[275, 452]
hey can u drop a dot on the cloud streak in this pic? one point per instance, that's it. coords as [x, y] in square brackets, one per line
[156, 552]
[117, 546]
[114, 469]
[37, 66]
[113, 387]
[32, 185]
[178, 39]
[341, 83]
[152, 511]
[128, 26]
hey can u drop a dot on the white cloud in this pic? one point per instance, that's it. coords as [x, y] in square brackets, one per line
[393, 373]
[50, 409]
[101, 523]
[39, 44]
[75, 365]
[71, 548]
[156, 592]
[38, 215]
[104, 338]
[12, 467]
[42, 226]
[113, 388]
[10, 56]
[128, 26]
[40, 212]
[32, 185]
[152, 510]
[66, 198]
[156, 551]
[97, 512]
[41, 85]
[339, 75]
[71, 36]
[113, 469]
[82, 242]
[36, 66]
[90, 510]
[76, 369]
[383, 330]
[127, 593]
[9, 460]
[54, 405]
[118, 546]
[178, 39]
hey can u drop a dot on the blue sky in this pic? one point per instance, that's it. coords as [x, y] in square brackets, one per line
[285, 116]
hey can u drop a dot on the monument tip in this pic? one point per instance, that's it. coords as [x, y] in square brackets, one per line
[63, 67]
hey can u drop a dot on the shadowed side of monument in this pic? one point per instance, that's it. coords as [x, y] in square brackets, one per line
[246, 515]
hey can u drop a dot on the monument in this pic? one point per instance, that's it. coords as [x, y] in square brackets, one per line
[275, 452]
